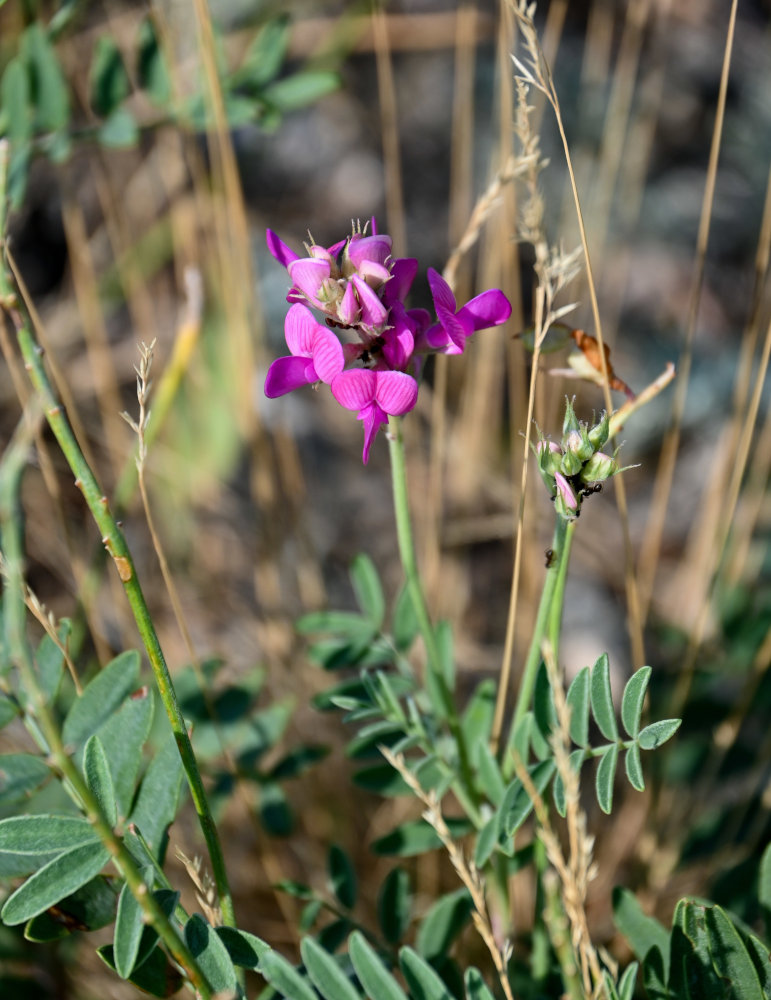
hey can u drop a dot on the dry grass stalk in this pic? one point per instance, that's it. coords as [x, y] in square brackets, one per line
[467, 871]
[538, 74]
[554, 270]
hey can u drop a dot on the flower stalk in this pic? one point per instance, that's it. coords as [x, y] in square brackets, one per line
[437, 680]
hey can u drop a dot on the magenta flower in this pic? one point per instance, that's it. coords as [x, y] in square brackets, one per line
[317, 354]
[455, 326]
[373, 354]
[376, 395]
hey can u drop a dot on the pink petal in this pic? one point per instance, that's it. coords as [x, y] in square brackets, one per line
[308, 274]
[488, 309]
[355, 388]
[286, 374]
[396, 392]
[373, 312]
[373, 418]
[328, 357]
[374, 274]
[403, 271]
[441, 292]
[348, 311]
[300, 330]
[369, 248]
[283, 254]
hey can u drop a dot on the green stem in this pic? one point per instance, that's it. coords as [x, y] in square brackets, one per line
[558, 598]
[12, 548]
[115, 543]
[437, 680]
[548, 619]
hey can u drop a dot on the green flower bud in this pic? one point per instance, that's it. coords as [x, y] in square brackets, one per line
[599, 468]
[598, 435]
[570, 464]
[570, 423]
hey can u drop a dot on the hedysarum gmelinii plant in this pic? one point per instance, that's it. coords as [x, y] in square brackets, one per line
[369, 348]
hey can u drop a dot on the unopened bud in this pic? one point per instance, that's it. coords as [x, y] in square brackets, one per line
[566, 501]
[598, 434]
[570, 464]
[570, 423]
[599, 468]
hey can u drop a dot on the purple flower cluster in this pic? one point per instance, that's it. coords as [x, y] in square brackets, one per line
[360, 289]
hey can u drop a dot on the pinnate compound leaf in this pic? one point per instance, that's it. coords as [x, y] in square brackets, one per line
[372, 974]
[730, 956]
[43, 834]
[606, 774]
[245, 949]
[119, 130]
[476, 988]
[158, 798]
[627, 982]
[633, 698]
[657, 733]
[634, 768]
[155, 975]
[578, 701]
[326, 975]
[301, 89]
[645, 934]
[20, 775]
[342, 876]
[8, 710]
[51, 883]
[15, 101]
[51, 91]
[576, 760]
[264, 55]
[405, 622]
[423, 982]
[764, 888]
[544, 710]
[442, 924]
[152, 71]
[394, 905]
[123, 736]
[489, 774]
[99, 779]
[211, 955]
[49, 660]
[87, 909]
[284, 978]
[477, 719]
[128, 928]
[417, 837]
[602, 698]
[758, 952]
[368, 589]
[110, 83]
[517, 805]
[101, 698]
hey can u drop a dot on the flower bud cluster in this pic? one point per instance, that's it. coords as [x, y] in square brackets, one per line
[576, 467]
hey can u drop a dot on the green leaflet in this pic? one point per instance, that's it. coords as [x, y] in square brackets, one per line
[51, 883]
[325, 973]
[373, 975]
